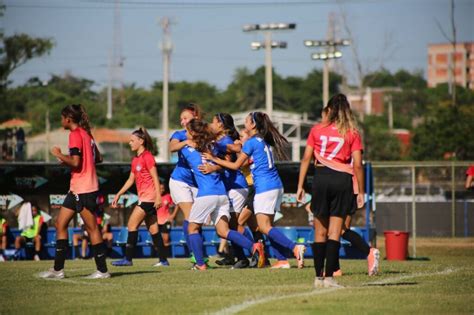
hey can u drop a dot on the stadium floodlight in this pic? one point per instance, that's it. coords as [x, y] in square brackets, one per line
[268, 45]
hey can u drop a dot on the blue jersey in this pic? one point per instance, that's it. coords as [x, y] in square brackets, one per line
[182, 172]
[264, 173]
[208, 184]
[232, 179]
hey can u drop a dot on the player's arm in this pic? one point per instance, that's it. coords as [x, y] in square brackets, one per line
[235, 147]
[359, 173]
[156, 182]
[307, 156]
[227, 164]
[125, 187]
[176, 145]
[73, 160]
[469, 179]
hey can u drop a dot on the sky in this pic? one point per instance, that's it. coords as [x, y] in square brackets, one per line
[208, 41]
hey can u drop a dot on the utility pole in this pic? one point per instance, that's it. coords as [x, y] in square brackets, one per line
[268, 44]
[115, 62]
[166, 48]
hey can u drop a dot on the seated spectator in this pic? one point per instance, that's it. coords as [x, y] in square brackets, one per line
[31, 235]
[3, 237]
[164, 219]
[469, 177]
[83, 237]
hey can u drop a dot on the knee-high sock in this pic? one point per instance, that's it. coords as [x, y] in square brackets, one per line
[131, 244]
[99, 252]
[319, 255]
[239, 240]
[186, 235]
[196, 243]
[278, 250]
[281, 239]
[159, 246]
[332, 256]
[248, 235]
[60, 255]
[357, 241]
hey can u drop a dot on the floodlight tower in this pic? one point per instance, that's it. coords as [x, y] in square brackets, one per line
[268, 45]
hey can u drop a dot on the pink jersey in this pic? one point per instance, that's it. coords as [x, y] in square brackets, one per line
[327, 142]
[163, 212]
[470, 171]
[141, 166]
[84, 177]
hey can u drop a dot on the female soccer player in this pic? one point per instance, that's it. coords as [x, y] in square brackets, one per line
[268, 185]
[334, 143]
[183, 187]
[82, 193]
[164, 221]
[144, 174]
[211, 199]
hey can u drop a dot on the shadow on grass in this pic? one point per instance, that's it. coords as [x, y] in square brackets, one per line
[390, 284]
[120, 274]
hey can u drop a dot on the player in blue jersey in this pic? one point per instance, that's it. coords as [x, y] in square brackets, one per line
[268, 186]
[183, 187]
[226, 147]
[211, 199]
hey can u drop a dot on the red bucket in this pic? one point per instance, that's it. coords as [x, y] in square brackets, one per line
[396, 245]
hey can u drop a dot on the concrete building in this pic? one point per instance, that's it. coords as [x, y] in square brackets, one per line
[441, 58]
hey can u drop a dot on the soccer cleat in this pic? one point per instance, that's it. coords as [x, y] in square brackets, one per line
[52, 274]
[337, 273]
[98, 275]
[281, 264]
[163, 263]
[2, 259]
[373, 261]
[241, 264]
[329, 282]
[318, 282]
[192, 259]
[36, 258]
[122, 263]
[298, 251]
[258, 253]
[226, 261]
[199, 268]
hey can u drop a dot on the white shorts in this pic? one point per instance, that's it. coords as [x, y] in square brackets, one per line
[213, 206]
[268, 202]
[237, 199]
[182, 192]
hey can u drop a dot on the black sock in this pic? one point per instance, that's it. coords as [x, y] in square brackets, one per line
[131, 243]
[77, 251]
[357, 241]
[238, 252]
[37, 252]
[98, 250]
[332, 256]
[1, 251]
[61, 253]
[159, 246]
[319, 255]
[257, 236]
[168, 250]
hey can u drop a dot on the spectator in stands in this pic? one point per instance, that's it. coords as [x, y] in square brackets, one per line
[469, 177]
[164, 220]
[7, 151]
[31, 235]
[3, 236]
[20, 144]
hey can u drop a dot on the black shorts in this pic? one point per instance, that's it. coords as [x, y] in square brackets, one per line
[148, 207]
[353, 209]
[164, 228]
[332, 193]
[77, 202]
[250, 197]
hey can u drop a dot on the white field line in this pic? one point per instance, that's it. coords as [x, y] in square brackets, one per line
[234, 309]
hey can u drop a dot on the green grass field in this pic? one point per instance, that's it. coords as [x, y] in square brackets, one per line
[442, 285]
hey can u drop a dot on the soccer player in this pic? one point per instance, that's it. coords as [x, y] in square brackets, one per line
[268, 185]
[211, 199]
[183, 187]
[164, 221]
[82, 193]
[337, 185]
[144, 174]
[32, 234]
[3, 236]
[469, 177]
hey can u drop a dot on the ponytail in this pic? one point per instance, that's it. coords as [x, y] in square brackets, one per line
[143, 134]
[338, 112]
[270, 134]
[229, 127]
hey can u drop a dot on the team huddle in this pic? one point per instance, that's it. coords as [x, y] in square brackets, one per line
[229, 179]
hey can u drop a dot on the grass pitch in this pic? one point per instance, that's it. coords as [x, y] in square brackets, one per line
[442, 285]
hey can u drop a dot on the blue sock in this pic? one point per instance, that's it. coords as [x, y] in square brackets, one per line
[248, 235]
[238, 239]
[278, 250]
[281, 239]
[186, 235]
[196, 243]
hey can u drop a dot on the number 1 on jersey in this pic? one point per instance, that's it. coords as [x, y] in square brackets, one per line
[269, 153]
[324, 140]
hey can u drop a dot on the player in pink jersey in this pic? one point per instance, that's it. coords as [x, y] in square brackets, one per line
[82, 196]
[165, 218]
[144, 174]
[469, 178]
[338, 183]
